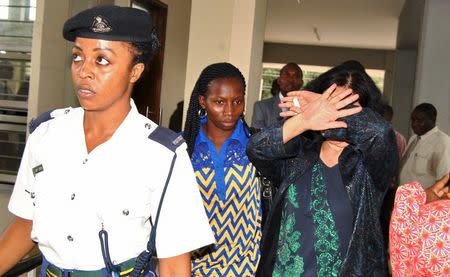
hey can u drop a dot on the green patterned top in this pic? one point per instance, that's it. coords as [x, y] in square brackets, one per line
[309, 242]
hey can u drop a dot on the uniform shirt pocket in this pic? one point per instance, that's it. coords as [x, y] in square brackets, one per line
[421, 163]
[127, 212]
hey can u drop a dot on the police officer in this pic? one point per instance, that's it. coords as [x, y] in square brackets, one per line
[91, 180]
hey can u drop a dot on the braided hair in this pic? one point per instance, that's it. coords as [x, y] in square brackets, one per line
[209, 74]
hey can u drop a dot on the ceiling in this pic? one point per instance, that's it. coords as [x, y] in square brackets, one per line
[370, 24]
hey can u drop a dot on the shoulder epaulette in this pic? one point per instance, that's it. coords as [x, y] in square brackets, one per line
[35, 122]
[43, 117]
[166, 137]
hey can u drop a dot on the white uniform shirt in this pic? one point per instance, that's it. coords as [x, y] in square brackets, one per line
[429, 160]
[117, 186]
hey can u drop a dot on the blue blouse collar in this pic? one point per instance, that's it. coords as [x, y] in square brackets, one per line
[239, 134]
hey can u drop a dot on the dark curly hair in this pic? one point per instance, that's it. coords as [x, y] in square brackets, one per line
[428, 109]
[209, 74]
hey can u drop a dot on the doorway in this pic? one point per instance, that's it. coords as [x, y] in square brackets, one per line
[147, 92]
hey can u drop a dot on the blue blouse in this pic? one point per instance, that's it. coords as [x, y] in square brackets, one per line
[231, 197]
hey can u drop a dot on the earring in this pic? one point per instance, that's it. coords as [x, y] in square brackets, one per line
[202, 112]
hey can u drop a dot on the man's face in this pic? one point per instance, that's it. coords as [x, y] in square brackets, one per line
[421, 123]
[291, 78]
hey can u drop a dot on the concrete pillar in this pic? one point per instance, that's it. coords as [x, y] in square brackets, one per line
[402, 103]
[49, 57]
[247, 42]
[405, 63]
[234, 33]
[433, 63]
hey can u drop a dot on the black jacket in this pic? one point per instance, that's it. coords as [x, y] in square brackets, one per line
[367, 166]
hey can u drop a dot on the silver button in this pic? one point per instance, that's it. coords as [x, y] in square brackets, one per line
[72, 197]
[126, 212]
[32, 195]
[66, 111]
[148, 126]
[69, 238]
[85, 161]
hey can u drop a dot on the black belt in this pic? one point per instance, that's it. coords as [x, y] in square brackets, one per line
[54, 271]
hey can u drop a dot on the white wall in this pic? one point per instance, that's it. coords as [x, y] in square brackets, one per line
[175, 56]
[402, 99]
[408, 36]
[433, 64]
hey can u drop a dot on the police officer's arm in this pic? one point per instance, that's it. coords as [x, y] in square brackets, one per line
[175, 266]
[15, 243]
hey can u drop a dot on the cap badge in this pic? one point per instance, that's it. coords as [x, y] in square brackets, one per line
[100, 25]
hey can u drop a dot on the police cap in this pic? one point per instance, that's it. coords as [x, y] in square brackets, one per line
[110, 23]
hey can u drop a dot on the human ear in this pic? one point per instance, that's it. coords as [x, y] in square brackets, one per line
[136, 72]
[202, 101]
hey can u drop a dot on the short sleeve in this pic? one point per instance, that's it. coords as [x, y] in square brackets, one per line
[21, 202]
[183, 225]
[404, 228]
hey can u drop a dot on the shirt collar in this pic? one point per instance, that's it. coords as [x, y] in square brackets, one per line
[128, 125]
[429, 133]
[238, 134]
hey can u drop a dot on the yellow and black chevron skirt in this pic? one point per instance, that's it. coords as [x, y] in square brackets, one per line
[234, 214]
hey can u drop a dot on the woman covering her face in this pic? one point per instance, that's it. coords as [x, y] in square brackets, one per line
[217, 136]
[325, 216]
[92, 178]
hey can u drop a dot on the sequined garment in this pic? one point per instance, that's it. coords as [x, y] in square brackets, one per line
[231, 197]
[419, 234]
[325, 245]
[367, 166]
[289, 263]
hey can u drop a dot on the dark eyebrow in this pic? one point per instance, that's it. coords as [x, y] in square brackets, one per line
[97, 49]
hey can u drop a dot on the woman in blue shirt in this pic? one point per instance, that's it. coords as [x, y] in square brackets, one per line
[217, 135]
